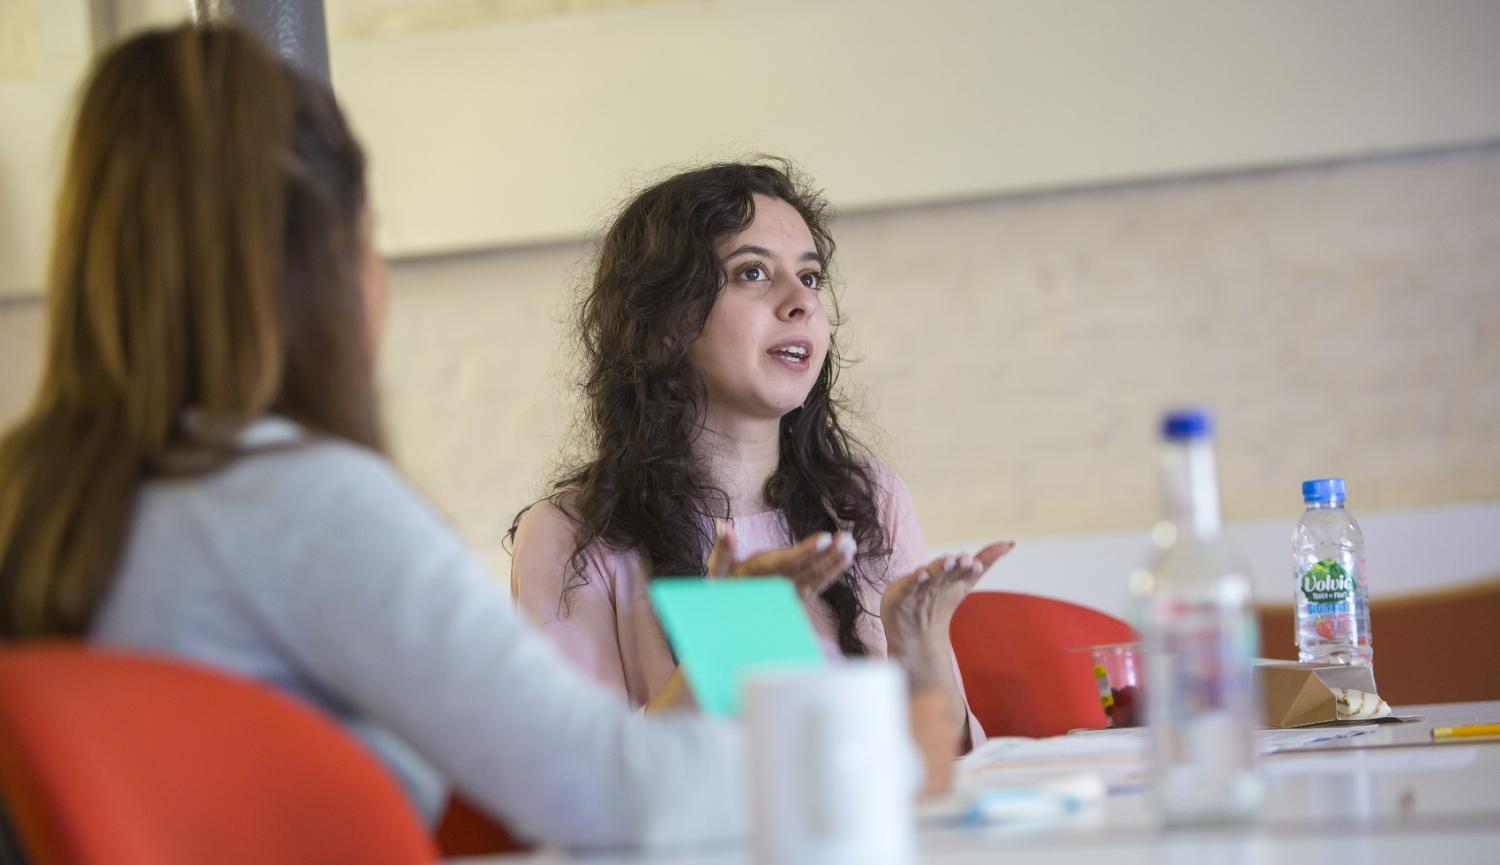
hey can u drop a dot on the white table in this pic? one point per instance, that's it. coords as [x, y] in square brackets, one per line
[1391, 796]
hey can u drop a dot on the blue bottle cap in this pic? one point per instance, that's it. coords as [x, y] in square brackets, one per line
[1187, 424]
[1323, 491]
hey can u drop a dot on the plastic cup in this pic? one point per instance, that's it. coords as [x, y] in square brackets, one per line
[1117, 671]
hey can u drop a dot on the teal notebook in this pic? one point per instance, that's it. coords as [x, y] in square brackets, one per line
[724, 629]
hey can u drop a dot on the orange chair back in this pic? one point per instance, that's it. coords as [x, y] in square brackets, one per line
[112, 758]
[1015, 653]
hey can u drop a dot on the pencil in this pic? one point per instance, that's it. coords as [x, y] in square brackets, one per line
[1466, 731]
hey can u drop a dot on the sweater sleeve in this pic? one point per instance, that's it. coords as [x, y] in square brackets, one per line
[387, 608]
[909, 552]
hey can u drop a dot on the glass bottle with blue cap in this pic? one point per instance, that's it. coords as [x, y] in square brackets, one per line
[1199, 636]
[1328, 564]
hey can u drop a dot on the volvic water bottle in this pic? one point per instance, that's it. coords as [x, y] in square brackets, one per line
[1328, 562]
[1200, 637]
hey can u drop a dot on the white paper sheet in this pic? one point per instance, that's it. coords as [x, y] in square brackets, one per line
[1118, 756]
[1418, 759]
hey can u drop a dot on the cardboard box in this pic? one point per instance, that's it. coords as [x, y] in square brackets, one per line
[1300, 695]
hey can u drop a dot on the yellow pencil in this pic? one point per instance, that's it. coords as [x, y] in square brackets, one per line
[1466, 731]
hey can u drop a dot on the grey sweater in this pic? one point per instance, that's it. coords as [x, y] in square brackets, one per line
[316, 568]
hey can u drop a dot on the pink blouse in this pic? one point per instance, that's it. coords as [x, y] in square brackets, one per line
[608, 626]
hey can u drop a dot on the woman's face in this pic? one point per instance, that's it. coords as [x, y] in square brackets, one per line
[767, 334]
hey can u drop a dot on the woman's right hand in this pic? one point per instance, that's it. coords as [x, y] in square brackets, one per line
[812, 565]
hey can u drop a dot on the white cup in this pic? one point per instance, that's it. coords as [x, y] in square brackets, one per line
[833, 771]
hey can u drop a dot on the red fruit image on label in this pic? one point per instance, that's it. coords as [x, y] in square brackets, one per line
[1325, 627]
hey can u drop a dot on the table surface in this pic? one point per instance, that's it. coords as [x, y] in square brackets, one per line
[1388, 796]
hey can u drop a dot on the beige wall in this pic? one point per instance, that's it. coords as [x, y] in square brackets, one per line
[552, 107]
[891, 103]
[1342, 319]
[21, 330]
[44, 49]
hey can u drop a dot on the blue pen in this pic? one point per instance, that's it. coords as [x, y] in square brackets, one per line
[1023, 804]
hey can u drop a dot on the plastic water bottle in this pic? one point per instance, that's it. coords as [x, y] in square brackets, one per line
[1328, 562]
[1200, 637]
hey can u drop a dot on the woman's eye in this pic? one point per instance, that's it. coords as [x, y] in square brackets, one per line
[754, 273]
[813, 280]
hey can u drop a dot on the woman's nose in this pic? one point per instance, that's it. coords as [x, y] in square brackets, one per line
[797, 301]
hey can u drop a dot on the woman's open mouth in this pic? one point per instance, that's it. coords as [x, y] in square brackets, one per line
[795, 354]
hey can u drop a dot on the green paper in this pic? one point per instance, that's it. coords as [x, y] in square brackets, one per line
[722, 630]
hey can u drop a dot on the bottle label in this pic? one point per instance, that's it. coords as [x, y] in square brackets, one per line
[1327, 582]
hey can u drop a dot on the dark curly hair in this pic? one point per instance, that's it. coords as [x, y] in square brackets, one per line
[639, 486]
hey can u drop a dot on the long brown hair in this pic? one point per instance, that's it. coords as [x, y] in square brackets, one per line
[639, 486]
[205, 271]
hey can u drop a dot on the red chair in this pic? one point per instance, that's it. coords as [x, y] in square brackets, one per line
[466, 831]
[112, 758]
[1022, 677]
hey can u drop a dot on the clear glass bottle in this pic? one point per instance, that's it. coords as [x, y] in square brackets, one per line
[1328, 564]
[1200, 638]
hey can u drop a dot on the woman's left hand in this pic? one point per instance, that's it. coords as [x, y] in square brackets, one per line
[918, 608]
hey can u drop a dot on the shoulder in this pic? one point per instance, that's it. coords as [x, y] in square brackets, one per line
[305, 477]
[321, 495]
[311, 524]
[887, 485]
[556, 520]
[279, 458]
[898, 516]
[547, 533]
[546, 559]
[547, 518]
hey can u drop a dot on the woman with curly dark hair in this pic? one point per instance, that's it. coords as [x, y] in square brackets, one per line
[713, 430]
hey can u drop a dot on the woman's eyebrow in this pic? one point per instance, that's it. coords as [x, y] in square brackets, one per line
[749, 249]
[752, 249]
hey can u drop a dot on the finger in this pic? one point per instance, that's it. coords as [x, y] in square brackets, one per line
[804, 559]
[815, 548]
[896, 592]
[947, 573]
[822, 568]
[828, 568]
[811, 547]
[963, 576]
[934, 570]
[837, 557]
[992, 553]
[790, 562]
[970, 578]
[721, 559]
[771, 563]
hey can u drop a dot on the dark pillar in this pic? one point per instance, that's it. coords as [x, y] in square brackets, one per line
[294, 28]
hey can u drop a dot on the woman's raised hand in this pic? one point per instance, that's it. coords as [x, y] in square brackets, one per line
[918, 607]
[812, 565]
